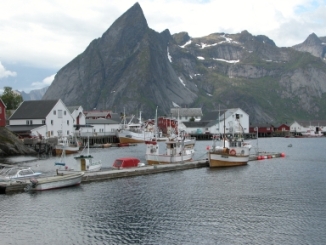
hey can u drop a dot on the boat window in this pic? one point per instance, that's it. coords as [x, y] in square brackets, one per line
[118, 163]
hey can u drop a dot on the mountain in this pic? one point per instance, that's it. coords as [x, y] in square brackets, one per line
[314, 45]
[36, 94]
[133, 68]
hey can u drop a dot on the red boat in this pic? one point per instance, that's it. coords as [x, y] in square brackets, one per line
[127, 162]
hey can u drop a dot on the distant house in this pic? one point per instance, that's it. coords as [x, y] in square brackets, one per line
[99, 127]
[304, 126]
[2, 114]
[45, 118]
[97, 114]
[283, 128]
[219, 122]
[79, 118]
[186, 114]
[264, 130]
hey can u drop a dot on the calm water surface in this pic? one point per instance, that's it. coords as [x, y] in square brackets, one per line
[274, 201]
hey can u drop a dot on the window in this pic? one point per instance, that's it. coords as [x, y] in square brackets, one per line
[59, 113]
[67, 132]
[51, 122]
[67, 122]
[43, 121]
[54, 112]
[51, 133]
[64, 113]
[27, 122]
[31, 122]
[0, 110]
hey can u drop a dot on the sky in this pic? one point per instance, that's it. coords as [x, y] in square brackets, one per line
[38, 37]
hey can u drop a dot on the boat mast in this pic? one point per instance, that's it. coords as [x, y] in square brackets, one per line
[156, 127]
[224, 132]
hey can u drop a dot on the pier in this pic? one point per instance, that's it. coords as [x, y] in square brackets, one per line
[106, 174]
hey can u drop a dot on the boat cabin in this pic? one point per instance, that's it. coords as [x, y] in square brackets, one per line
[126, 162]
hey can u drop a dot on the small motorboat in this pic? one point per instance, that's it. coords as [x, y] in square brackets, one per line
[10, 172]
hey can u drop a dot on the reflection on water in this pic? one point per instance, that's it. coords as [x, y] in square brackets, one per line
[275, 201]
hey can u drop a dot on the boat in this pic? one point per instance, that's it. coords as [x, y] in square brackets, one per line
[234, 151]
[9, 173]
[127, 162]
[177, 150]
[55, 182]
[133, 132]
[83, 162]
[312, 133]
[68, 144]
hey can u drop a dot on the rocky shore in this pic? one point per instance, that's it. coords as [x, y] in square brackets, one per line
[10, 145]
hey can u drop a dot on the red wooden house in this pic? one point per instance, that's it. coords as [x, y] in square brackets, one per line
[2, 114]
[265, 130]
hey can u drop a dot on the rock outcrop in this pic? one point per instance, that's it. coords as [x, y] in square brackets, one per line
[10, 145]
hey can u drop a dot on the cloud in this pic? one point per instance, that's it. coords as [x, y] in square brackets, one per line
[5, 73]
[50, 34]
[45, 82]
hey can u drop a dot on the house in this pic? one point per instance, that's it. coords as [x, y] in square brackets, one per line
[100, 127]
[263, 130]
[304, 126]
[42, 118]
[2, 114]
[186, 114]
[97, 114]
[231, 121]
[79, 118]
[282, 128]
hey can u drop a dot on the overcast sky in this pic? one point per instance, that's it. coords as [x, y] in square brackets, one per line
[50, 33]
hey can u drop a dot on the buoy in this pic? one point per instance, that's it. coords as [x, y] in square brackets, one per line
[282, 154]
[207, 147]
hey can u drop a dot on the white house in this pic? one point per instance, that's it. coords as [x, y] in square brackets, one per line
[77, 113]
[304, 126]
[236, 121]
[46, 118]
[100, 126]
[185, 114]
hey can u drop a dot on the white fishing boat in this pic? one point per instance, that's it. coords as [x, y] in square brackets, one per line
[55, 182]
[69, 144]
[16, 173]
[234, 151]
[178, 149]
[83, 162]
[134, 132]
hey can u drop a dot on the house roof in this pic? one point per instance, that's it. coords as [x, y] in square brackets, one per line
[200, 124]
[34, 109]
[3, 103]
[97, 113]
[22, 128]
[73, 108]
[314, 123]
[101, 121]
[186, 112]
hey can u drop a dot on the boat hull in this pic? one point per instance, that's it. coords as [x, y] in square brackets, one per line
[165, 159]
[68, 150]
[225, 160]
[126, 136]
[55, 182]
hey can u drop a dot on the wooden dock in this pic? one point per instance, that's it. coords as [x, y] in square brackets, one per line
[105, 174]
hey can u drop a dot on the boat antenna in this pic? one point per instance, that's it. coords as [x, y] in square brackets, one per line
[156, 127]
[224, 132]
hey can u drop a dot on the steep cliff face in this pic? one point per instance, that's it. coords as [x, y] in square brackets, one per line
[132, 68]
[126, 69]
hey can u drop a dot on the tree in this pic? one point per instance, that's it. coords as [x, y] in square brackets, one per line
[11, 98]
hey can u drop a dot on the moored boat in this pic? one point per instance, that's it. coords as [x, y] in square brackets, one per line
[177, 150]
[55, 182]
[9, 173]
[65, 143]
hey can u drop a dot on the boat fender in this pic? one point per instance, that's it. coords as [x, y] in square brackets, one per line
[232, 152]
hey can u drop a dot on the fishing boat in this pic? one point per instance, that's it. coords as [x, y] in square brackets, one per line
[68, 144]
[10, 173]
[134, 132]
[55, 182]
[83, 162]
[177, 150]
[234, 151]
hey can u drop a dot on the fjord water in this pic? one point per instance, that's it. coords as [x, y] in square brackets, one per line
[272, 201]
